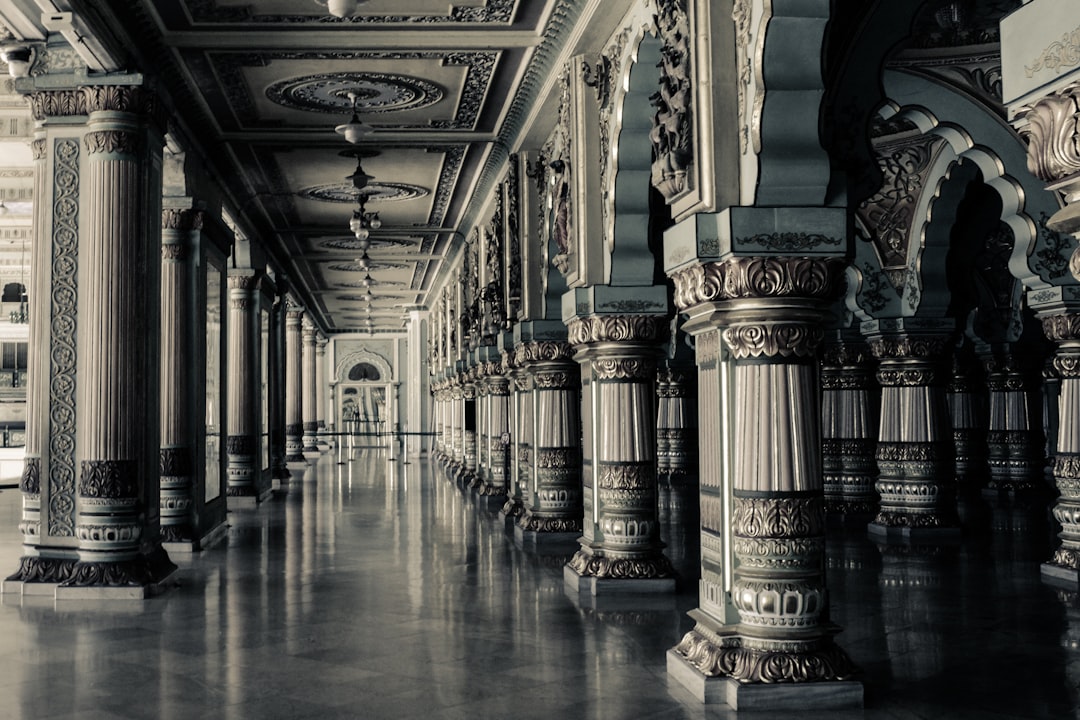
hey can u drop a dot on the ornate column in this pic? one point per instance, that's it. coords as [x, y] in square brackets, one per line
[279, 471]
[521, 429]
[242, 441]
[676, 427]
[620, 546]
[118, 362]
[455, 419]
[308, 390]
[320, 393]
[1014, 439]
[916, 478]
[1064, 565]
[498, 424]
[48, 479]
[467, 474]
[849, 429]
[294, 427]
[178, 356]
[438, 399]
[762, 499]
[553, 502]
[967, 411]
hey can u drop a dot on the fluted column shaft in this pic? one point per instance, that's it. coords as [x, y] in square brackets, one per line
[554, 499]
[456, 416]
[916, 479]
[849, 428]
[469, 428]
[320, 390]
[966, 396]
[1014, 439]
[769, 311]
[308, 389]
[177, 357]
[621, 538]
[294, 424]
[522, 429]
[241, 445]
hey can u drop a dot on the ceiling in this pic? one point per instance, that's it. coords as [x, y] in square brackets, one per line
[259, 86]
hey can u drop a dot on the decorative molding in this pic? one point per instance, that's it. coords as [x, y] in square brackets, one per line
[1051, 127]
[618, 328]
[789, 241]
[587, 564]
[773, 340]
[672, 133]
[57, 103]
[492, 12]
[1059, 54]
[778, 517]
[30, 482]
[909, 346]
[175, 462]
[62, 336]
[1061, 328]
[109, 479]
[186, 220]
[112, 141]
[758, 277]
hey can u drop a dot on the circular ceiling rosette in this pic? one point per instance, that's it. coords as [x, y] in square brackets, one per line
[373, 243]
[372, 266]
[374, 92]
[374, 192]
[359, 285]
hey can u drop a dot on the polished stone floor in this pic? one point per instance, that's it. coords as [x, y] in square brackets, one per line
[380, 590]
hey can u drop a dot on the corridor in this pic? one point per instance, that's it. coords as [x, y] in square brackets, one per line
[375, 589]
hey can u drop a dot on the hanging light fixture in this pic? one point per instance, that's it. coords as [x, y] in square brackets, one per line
[355, 128]
[362, 223]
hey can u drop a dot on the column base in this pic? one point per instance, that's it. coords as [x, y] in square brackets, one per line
[904, 533]
[38, 576]
[142, 577]
[188, 547]
[826, 695]
[596, 586]
[1065, 578]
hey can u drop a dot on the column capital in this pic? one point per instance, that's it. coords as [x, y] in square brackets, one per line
[757, 277]
[618, 328]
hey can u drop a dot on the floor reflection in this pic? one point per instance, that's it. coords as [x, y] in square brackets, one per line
[376, 589]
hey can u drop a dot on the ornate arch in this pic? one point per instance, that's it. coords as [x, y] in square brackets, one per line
[341, 374]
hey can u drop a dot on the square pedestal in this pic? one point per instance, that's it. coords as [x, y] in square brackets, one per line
[1061, 577]
[845, 695]
[611, 586]
[116, 593]
[27, 589]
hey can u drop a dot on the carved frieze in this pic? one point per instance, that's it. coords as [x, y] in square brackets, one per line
[773, 340]
[758, 277]
[1051, 127]
[778, 517]
[1060, 328]
[109, 479]
[616, 328]
[908, 346]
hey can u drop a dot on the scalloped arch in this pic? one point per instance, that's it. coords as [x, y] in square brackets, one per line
[346, 363]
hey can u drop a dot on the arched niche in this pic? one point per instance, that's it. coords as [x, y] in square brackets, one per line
[363, 357]
[365, 396]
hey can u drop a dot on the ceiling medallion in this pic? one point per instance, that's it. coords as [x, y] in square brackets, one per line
[374, 192]
[360, 285]
[372, 92]
[376, 265]
[354, 244]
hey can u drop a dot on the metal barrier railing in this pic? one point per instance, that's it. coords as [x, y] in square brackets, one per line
[400, 436]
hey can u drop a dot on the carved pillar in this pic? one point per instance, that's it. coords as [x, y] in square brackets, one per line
[967, 410]
[916, 478]
[467, 472]
[1014, 439]
[849, 429]
[437, 401]
[178, 356]
[498, 422]
[294, 427]
[1051, 395]
[620, 546]
[308, 389]
[522, 429]
[763, 495]
[279, 471]
[320, 393]
[482, 408]
[1065, 563]
[48, 479]
[676, 427]
[242, 441]
[553, 504]
[455, 416]
[118, 353]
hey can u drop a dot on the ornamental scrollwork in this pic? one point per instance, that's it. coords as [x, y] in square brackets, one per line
[672, 131]
[906, 377]
[790, 241]
[1062, 327]
[602, 566]
[1050, 129]
[908, 346]
[543, 351]
[57, 103]
[30, 482]
[1058, 54]
[789, 517]
[618, 328]
[111, 141]
[773, 340]
[623, 368]
[624, 477]
[183, 220]
[758, 277]
[110, 479]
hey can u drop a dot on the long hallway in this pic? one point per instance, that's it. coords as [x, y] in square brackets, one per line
[376, 589]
